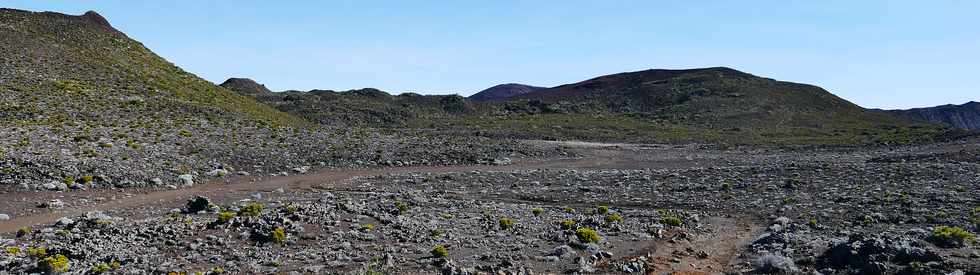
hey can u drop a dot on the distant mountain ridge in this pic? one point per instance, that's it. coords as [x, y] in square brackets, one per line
[503, 92]
[965, 116]
[704, 105]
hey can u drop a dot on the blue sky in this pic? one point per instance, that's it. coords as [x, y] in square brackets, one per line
[878, 54]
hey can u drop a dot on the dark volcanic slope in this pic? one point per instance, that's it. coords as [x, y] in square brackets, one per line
[503, 92]
[966, 116]
[245, 86]
[711, 96]
[715, 89]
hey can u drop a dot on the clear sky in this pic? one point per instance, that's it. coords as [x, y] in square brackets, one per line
[878, 54]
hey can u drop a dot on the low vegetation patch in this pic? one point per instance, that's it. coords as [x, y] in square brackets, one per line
[949, 236]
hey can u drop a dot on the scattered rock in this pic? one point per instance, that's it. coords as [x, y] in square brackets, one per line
[186, 179]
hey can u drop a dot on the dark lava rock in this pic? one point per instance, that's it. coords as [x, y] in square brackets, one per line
[875, 254]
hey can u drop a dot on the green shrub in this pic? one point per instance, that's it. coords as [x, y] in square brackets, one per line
[537, 211]
[13, 250]
[949, 236]
[613, 218]
[672, 220]
[132, 144]
[185, 133]
[37, 252]
[435, 233]
[506, 223]
[402, 207]
[252, 210]
[24, 231]
[602, 209]
[100, 268]
[292, 209]
[279, 235]
[726, 186]
[54, 264]
[568, 224]
[69, 180]
[587, 235]
[367, 227]
[440, 251]
[569, 210]
[87, 179]
[226, 216]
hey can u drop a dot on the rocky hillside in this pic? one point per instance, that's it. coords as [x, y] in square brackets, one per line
[965, 116]
[503, 92]
[83, 105]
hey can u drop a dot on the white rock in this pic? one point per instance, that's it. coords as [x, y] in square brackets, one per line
[56, 204]
[65, 221]
[4, 217]
[217, 173]
[301, 170]
[186, 179]
[156, 181]
[51, 186]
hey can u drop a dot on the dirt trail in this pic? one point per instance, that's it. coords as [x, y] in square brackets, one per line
[714, 253]
[299, 181]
